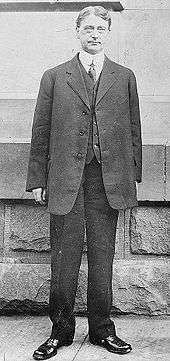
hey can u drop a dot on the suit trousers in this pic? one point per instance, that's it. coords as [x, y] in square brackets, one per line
[93, 212]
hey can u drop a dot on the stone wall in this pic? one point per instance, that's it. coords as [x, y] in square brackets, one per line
[141, 267]
[35, 41]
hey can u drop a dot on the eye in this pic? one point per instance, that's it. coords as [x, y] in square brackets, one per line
[88, 29]
[101, 29]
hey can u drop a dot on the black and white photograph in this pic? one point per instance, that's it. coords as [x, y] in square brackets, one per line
[85, 180]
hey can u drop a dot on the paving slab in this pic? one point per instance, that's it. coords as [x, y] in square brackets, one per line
[150, 339]
[20, 336]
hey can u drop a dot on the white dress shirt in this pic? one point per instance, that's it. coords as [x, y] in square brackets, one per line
[97, 59]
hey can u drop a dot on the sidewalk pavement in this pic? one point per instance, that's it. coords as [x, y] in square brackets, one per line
[150, 339]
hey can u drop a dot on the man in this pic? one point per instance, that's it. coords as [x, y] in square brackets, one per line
[85, 160]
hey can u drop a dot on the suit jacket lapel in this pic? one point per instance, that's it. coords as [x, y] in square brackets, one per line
[75, 80]
[106, 80]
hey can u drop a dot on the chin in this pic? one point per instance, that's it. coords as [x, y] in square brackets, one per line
[94, 50]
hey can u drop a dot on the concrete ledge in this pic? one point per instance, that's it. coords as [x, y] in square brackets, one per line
[149, 337]
[140, 287]
[152, 186]
[14, 162]
[56, 6]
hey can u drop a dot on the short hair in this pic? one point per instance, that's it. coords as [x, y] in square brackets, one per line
[94, 10]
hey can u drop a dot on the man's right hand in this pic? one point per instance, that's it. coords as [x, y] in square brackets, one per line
[40, 195]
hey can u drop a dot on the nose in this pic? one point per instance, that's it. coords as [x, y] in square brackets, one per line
[95, 33]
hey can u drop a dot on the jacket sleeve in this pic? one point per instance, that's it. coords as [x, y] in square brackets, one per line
[39, 152]
[135, 126]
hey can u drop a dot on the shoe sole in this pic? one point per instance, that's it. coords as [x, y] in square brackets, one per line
[67, 343]
[97, 343]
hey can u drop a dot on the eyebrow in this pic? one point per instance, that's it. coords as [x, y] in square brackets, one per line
[88, 26]
[92, 27]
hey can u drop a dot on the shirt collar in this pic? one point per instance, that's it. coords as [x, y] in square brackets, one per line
[87, 58]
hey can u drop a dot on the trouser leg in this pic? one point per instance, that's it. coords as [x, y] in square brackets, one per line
[67, 236]
[101, 222]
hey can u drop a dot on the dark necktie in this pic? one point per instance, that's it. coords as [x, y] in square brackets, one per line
[92, 72]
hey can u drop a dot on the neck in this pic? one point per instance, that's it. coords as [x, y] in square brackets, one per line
[86, 53]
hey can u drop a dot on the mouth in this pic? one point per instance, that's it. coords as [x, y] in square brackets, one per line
[94, 42]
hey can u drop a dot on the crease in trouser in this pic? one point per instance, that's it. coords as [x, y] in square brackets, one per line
[101, 224]
[100, 269]
[67, 238]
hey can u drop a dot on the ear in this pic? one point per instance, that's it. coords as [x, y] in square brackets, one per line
[77, 33]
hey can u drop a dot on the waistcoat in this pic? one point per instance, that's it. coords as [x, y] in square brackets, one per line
[93, 148]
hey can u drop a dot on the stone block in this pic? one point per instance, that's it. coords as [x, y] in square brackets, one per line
[27, 233]
[25, 289]
[139, 287]
[127, 233]
[119, 245]
[142, 287]
[150, 231]
[22, 288]
[26, 237]
[152, 186]
[16, 119]
[144, 47]
[13, 164]
[29, 229]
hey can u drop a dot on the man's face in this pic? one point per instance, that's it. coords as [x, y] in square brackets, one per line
[92, 33]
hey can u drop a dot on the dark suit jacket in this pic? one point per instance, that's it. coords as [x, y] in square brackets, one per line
[60, 135]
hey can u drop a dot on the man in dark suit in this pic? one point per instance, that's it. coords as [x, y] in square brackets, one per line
[84, 162]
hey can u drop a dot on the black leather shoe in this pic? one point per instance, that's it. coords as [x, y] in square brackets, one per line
[112, 344]
[50, 347]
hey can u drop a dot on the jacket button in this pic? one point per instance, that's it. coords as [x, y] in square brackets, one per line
[84, 112]
[79, 155]
[81, 132]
